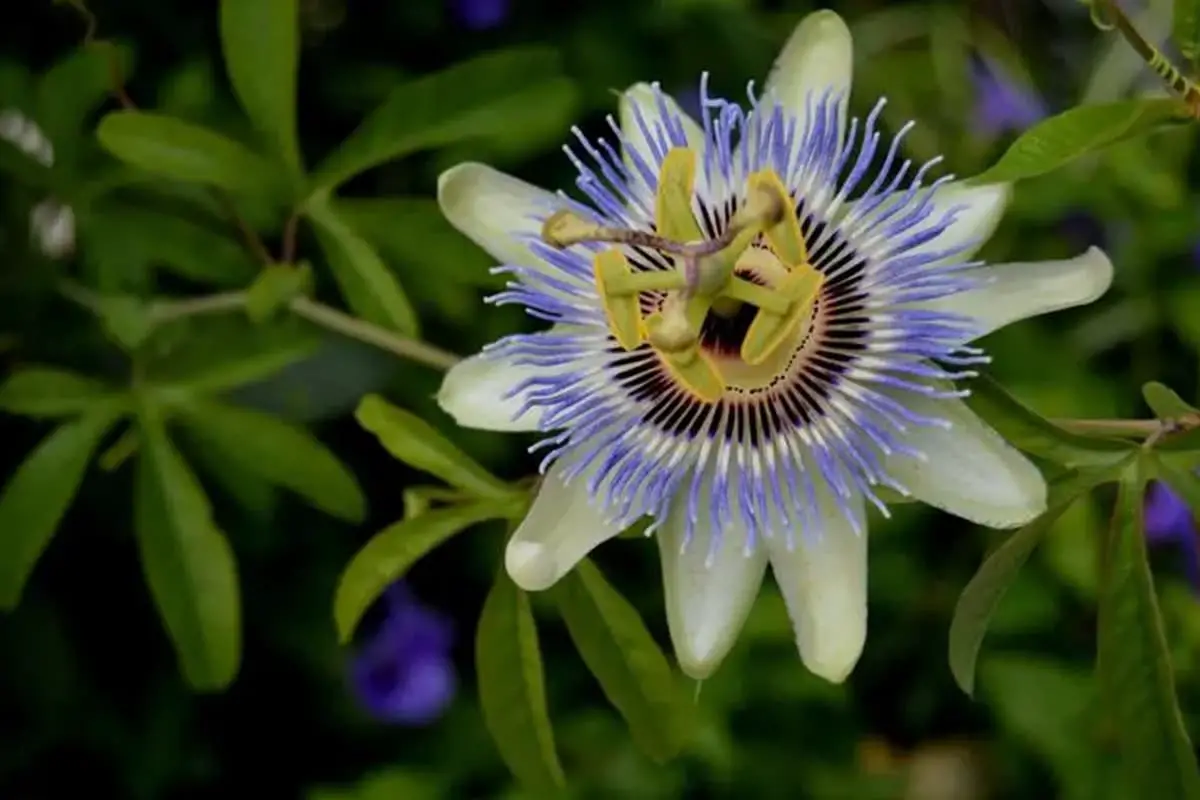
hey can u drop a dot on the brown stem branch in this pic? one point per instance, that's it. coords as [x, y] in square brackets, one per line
[290, 231]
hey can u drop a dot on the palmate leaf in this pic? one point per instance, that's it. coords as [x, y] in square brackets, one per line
[485, 96]
[1134, 662]
[187, 561]
[418, 444]
[45, 391]
[388, 555]
[983, 594]
[1055, 142]
[369, 287]
[173, 148]
[260, 40]
[279, 452]
[37, 496]
[512, 688]
[624, 657]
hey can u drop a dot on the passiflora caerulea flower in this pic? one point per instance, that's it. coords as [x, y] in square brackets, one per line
[404, 673]
[757, 322]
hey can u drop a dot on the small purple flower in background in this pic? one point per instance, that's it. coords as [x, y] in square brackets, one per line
[1002, 105]
[480, 14]
[404, 674]
[1169, 520]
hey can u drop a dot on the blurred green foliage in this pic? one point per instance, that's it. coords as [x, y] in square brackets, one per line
[178, 370]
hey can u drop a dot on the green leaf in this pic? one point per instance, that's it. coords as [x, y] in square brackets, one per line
[1045, 704]
[1061, 139]
[1025, 429]
[983, 594]
[476, 99]
[1164, 402]
[369, 287]
[127, 319]
[217, 353]
[390, 553]
[36, 391]
[261, 43]
[1185, 29]
[126, 239]
[1134, 662]
[512, 690]
[185, 152]
[418, 444]
[249, 490]
[275, 287]
[73, 88]
[187, 561]
[621, 653]
[283, 454]
[35, 499]
[441, 269]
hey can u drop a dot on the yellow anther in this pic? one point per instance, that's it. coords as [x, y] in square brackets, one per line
[623, 311]
[673, 203]
[784, 234]
[769, 330]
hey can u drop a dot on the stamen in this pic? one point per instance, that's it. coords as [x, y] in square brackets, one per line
[769, 330]
[785, 236]
[623, 311]
[673, 203]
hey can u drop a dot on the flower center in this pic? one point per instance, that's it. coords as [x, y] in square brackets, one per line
[760, 262]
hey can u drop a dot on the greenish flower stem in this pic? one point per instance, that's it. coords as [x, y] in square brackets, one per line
[1121, 428]
[317, 313]
[411, 349]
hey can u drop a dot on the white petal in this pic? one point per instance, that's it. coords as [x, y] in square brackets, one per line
[818, 57]
[707, 603]
[823, 579]
[1016, 291]
[979, 209]
[969, 470]
[642, 98]
[496, 211]
[475, 392]
[562, 527]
